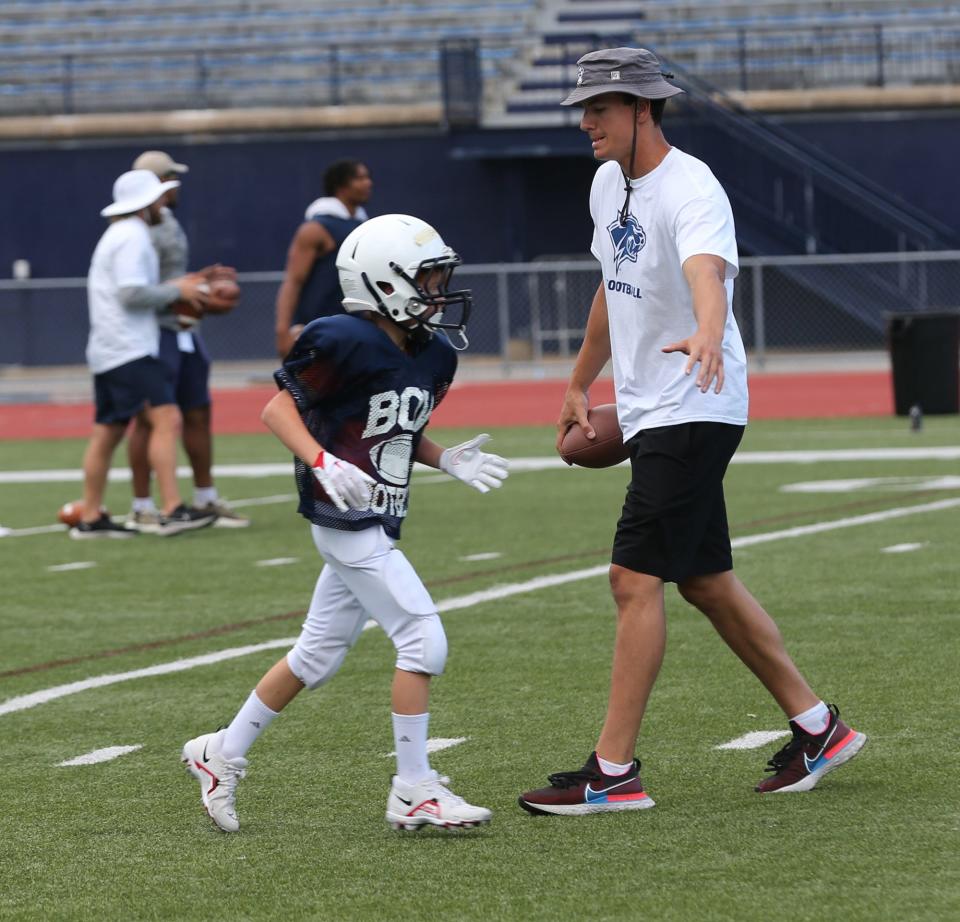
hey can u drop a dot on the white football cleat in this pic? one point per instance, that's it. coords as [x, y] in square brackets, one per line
[218, 777]
[431, 803]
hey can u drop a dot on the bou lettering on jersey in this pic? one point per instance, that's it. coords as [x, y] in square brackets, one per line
[398, 415]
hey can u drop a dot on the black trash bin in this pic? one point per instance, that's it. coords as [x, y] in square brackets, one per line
[925, 355]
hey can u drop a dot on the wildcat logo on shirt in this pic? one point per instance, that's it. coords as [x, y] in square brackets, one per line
[628, 240]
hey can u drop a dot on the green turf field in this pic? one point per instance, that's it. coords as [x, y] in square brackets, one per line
[876, 632]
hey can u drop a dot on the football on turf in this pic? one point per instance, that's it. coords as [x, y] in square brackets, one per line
[71, 513]
[605, 450]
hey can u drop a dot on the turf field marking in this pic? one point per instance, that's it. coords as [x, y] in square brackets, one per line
[869, 518]
[100, 755]
[37, 530]
[23, 702]
[903, 548]
[489, 555]
[753, 740]
[246, 471]
[873, 483]
[438, 744]
[277, 561]
[77, 565]
[264, 500]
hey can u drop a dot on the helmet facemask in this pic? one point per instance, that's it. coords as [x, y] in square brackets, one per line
[425, 286]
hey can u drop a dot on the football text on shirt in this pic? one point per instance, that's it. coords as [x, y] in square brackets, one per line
[409, 410]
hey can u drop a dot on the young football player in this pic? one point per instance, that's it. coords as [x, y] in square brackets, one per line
[356, 393]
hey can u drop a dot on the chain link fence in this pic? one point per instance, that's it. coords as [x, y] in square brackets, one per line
[533, 312]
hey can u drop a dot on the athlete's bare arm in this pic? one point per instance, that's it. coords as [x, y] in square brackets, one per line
[311, 242]
[282, 418]
[593, 355]
[705, 274]
[428, 452]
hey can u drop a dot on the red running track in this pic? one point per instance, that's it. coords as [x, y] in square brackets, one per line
[500, 403]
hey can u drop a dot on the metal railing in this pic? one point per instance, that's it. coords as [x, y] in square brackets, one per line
[534, 312]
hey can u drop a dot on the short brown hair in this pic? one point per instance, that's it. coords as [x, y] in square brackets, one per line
[656, 106]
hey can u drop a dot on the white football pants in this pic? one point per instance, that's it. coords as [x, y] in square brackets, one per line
[365, 577]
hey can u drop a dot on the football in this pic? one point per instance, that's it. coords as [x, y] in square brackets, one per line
[224, 296]
[70, 513]
[605, 450]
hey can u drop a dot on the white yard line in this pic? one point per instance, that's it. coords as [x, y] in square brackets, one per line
[874, 484]
[754, 740]
[284, 469]
[903, 548]
[23, 702]
[439, 744]
[78, 565]
[100, 755]
[869, 518]
[277, 561]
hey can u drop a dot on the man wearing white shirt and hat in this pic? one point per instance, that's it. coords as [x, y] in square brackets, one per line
[124, 295]
[665, 239]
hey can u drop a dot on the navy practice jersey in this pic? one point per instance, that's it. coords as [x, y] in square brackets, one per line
[321, 295]
[365, 401]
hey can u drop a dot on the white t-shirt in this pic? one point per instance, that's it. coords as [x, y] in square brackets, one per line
[124, 258]
[677, 210]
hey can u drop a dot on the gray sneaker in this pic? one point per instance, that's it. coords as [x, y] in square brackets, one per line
[227, 517]
[146, 522]
[184, 518]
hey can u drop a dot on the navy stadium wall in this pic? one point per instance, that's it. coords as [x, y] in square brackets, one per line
[495, 195]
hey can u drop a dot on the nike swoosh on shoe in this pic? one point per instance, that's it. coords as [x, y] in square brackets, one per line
[809, 763]
[591, 796]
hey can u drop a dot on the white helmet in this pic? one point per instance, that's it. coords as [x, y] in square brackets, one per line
[379, 264]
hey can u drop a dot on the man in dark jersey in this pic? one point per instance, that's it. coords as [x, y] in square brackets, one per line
[356, 393]
[311, 288]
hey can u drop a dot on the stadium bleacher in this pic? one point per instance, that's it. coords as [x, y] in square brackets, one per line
[114, 55]
[768, 44]
[98, 55]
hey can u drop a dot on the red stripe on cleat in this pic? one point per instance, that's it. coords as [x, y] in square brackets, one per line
[835, 749]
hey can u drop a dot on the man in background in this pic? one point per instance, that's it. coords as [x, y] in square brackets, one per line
[187, 361]
[311, 287]
[124, 296]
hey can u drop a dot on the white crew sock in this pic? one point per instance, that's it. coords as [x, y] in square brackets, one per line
[815, 720]
[144, 504]
[203, 496]
[410, 738]
[251, 720]
[613, 768]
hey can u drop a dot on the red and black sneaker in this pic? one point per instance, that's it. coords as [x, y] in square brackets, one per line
[588, 790]
[807, 758]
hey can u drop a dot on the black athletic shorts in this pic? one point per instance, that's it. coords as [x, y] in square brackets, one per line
[674, 521]
[122, 392]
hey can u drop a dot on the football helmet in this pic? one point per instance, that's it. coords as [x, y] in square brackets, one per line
[399, 266]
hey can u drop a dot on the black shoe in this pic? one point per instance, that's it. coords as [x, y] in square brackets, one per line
[800, 764]
[185, 518]
[104, 527]
[588, 790]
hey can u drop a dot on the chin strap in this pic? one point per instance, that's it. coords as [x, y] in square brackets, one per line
[628, 188]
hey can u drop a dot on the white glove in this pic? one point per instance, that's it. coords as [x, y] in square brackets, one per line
[344, 483]
[474, 467]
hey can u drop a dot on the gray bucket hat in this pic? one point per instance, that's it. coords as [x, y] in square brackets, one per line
[635, 71]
